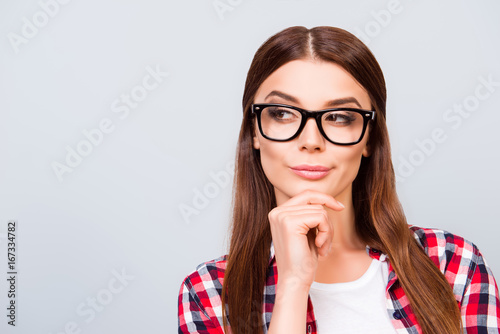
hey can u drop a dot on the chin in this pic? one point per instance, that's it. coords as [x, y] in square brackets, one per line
[319, 188]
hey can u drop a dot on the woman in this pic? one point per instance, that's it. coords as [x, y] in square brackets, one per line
[315, 201]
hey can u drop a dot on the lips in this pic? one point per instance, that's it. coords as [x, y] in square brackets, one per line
[311, 172]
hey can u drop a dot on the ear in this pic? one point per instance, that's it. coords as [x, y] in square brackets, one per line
[256, 142]
[367, 151]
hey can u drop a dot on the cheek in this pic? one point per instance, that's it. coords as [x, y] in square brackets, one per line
[271, 158]
[354, 155]
[349, 162]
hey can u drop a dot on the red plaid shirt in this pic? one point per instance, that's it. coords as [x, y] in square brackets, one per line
[475, 289]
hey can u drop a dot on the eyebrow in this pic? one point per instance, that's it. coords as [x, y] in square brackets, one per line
[331, 103]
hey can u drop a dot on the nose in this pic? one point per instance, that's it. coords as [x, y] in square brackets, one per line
[310, 138]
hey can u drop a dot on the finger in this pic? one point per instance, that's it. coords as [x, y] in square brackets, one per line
[319, 224]
[315, 197]
[323, 235]
[297, 209]
[315, 221]
[277, 214]
[325, 249]
[311, 238]
[324, 243]
[300, 224]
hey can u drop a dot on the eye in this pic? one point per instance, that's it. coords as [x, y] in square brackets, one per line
[339, 118]
[282, 114]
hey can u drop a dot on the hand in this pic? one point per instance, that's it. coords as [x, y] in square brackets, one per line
[301, 230]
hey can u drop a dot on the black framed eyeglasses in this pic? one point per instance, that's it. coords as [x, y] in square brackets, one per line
[341, 126]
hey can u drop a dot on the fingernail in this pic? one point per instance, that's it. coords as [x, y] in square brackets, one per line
[342, 205]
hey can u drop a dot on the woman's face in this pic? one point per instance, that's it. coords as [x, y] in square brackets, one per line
[313, 86]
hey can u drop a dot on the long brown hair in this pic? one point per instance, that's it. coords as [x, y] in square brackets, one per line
[380, 220]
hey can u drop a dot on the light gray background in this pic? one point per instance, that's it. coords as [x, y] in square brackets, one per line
[119, 209]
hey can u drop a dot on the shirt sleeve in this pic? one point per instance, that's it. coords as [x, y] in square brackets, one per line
[481, 304]
[193, 314]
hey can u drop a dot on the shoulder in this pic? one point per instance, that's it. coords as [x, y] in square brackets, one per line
[199, 302]
[208, 274]
[433, 237]
[445, 248]
[458, 259]
[437, 242]
[470, 277]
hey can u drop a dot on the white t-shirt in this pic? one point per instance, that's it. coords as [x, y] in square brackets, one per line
[353, 307]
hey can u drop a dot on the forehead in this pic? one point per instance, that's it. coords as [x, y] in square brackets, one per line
[312, 84]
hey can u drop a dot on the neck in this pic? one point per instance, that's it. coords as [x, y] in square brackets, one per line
[345, 237]
[347, 259]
